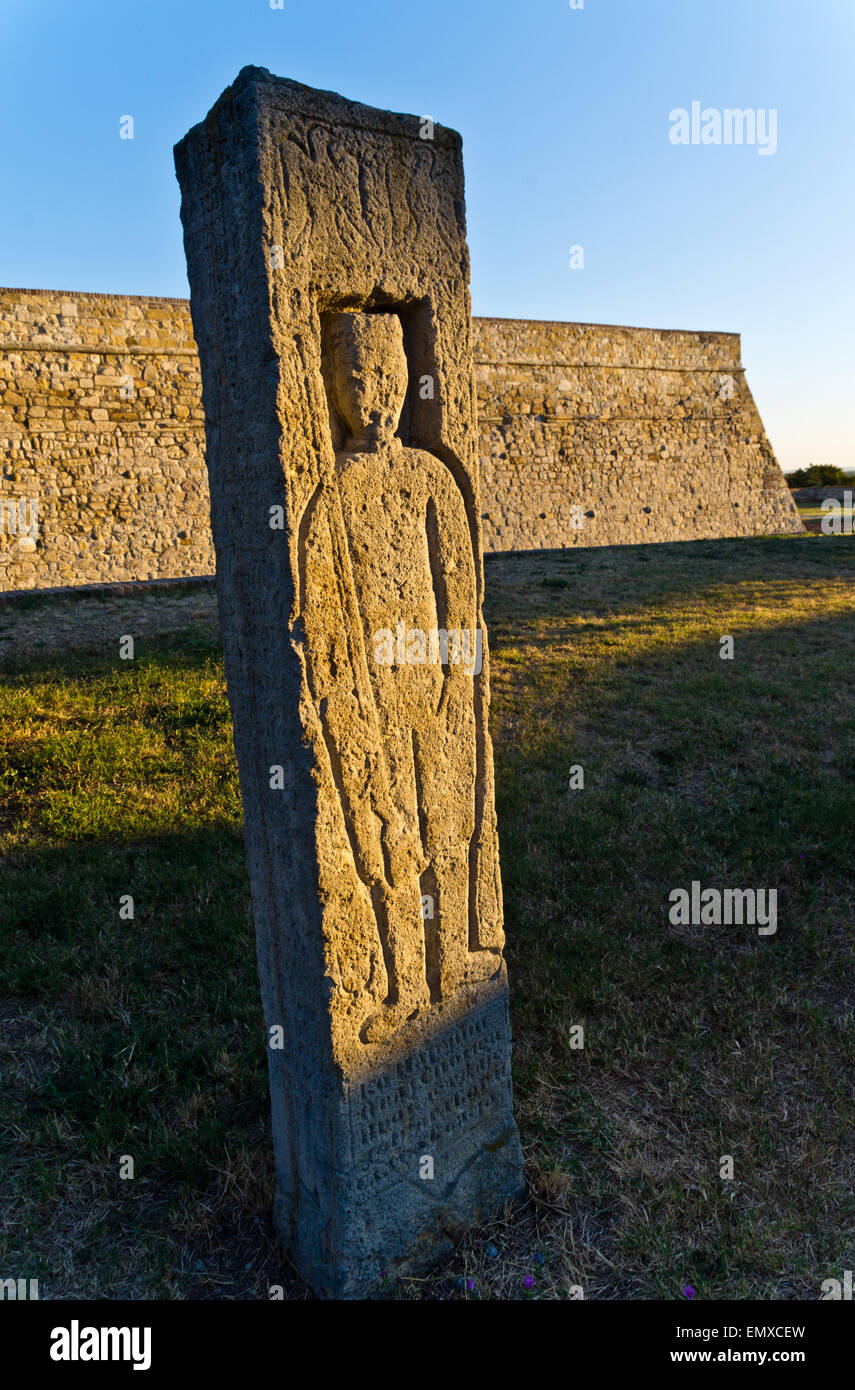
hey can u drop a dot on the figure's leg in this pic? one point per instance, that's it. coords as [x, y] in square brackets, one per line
[397, 899]
[445, 763]
[399, 926]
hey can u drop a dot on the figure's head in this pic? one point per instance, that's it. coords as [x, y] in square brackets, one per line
[369, 372]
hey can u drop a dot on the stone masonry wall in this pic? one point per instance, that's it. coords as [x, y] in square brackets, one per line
[594, 435]
[101, 421]
[589, 435]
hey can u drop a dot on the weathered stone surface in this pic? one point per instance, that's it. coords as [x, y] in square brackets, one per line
[329, 275]
[600, 435]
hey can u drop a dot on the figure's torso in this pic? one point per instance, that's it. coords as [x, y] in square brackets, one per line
[386, 497]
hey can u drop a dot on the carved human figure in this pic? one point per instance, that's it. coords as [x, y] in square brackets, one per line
[385, 546]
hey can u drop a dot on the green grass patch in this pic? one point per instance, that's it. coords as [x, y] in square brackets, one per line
[144, 1037]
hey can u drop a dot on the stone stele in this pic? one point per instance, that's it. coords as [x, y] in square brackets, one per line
[329, 272]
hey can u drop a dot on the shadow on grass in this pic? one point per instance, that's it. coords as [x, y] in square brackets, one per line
[699, 1042]
[140, 1038]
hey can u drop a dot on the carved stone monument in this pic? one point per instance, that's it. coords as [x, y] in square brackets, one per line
[329, 274]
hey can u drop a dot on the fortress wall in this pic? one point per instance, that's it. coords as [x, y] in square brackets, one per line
[101, 423]
[595, 435]
[101, 420]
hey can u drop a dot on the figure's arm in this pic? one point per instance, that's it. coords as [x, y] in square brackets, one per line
[455, 586]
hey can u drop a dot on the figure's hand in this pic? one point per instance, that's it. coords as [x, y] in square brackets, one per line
[404, 849]
[457, 705]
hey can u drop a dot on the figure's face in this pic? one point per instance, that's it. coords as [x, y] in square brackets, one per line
[369, 368]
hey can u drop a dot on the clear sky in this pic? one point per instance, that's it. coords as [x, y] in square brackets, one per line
[565, 117]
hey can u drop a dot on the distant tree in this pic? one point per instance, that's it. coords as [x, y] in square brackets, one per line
[820, 475]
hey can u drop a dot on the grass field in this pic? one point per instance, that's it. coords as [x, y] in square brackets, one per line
[144, 1037]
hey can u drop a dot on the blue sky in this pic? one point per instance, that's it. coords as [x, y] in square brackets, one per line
[565, 120]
